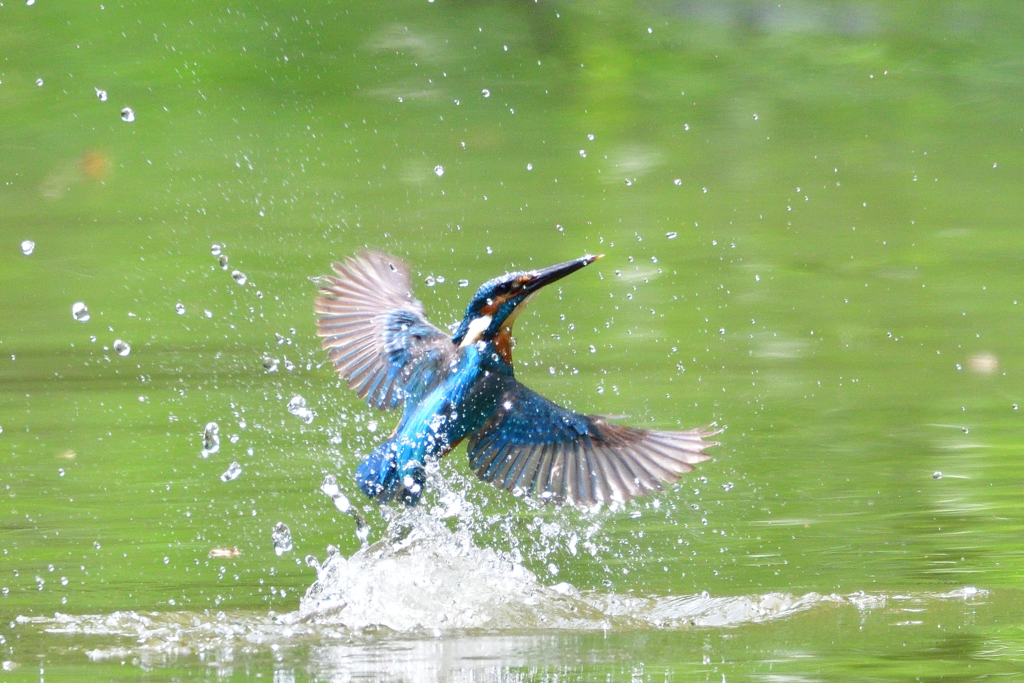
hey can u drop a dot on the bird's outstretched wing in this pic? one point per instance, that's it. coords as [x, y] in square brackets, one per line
[375, 331]
[543, 450]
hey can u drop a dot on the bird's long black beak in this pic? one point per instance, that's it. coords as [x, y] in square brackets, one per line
[545, 276]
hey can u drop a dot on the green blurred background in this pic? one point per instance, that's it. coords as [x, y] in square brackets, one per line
[811, 214]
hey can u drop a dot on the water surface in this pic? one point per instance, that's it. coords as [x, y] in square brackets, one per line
[811, 220]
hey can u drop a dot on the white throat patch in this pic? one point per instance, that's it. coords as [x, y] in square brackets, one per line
[476, 330]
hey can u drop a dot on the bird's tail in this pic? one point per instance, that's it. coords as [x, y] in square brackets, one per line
[383, 475]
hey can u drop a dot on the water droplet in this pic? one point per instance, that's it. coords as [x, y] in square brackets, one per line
[371, 426]
[101, 94]
[270, 364]
[583, 152]
[80, 312]
[233, 472]
[330, 486]
[489, 250]
[430, 281]
[121, 347]
[39, 82]
[60, 471]
[486, 92]
[937, 475]
[27, 247]
[678, 181]
[223, 261]
[529, 167]
[179, 308]
[239, 277]
[297, 407]
[463, 283]
[342, 503]
[440, 279]
[216, 249]
[282, 537]
[439, 170]
[671, 235]
[127, 115]
[590, 136]
[211, 439]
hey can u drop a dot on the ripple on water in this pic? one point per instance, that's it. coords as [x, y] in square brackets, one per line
[413, 583]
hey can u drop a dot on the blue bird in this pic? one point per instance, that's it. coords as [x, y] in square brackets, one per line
[462, 387]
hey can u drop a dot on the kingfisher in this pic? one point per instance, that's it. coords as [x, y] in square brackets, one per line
[462, 386]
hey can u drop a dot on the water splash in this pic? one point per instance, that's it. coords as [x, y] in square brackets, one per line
[415, 578]
[80, 312]
[297, 407]
[331, 490]
[282, 537]
[234, 471]
[211, 439]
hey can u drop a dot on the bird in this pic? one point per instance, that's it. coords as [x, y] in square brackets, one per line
[461, 386]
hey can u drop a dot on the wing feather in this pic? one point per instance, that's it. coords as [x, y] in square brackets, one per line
[375, 332]
[558, 455]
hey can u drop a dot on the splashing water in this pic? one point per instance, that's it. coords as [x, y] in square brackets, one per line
[424, 578]
[330, 489]
[211, 439]
[414, 580]
[234, 471]
[282, 537]
[297, 407]
[80, 312]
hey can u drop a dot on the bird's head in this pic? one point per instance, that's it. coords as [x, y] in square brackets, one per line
[497, 303]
